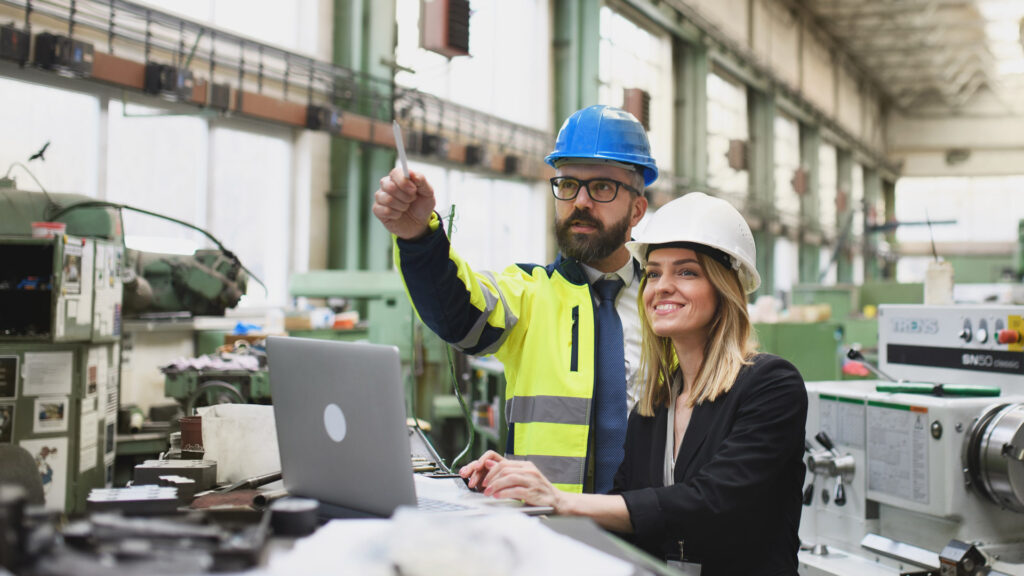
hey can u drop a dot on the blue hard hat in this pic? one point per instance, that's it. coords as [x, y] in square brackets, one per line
[605, 133]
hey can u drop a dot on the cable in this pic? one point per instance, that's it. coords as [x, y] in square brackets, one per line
[49, 201]
[465, 411]
[455, 381]
[104, 204]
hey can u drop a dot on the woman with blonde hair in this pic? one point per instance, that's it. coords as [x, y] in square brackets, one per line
[713, 467]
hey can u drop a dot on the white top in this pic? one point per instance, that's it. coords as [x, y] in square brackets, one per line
[670, 431]
[629, 314]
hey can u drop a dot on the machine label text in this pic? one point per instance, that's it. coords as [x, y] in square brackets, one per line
[999, 361]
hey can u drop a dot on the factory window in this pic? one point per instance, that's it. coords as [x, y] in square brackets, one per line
[67, 120]
[631, 56]
[856, 203]
[787, 162]
[828, 183]
[159, 163]
[249, 209]
[786, 264]
[496, 221]
[786, 271]
[727, 124]
[976, 225]
[509, 84]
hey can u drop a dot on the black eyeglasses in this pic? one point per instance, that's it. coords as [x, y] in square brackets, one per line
[599, 189]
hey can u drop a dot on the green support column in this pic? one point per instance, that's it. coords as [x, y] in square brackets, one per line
[810, 224]
[364, 36]
[844, 222]
[889, 197]
[872, 192]
[576, 45]
[761, 169]
[691, 110]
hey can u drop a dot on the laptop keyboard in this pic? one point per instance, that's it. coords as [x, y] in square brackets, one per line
[433, 505]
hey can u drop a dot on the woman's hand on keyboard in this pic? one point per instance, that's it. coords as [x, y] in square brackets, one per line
[476, 471]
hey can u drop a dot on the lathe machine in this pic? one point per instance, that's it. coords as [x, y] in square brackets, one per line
[924, 473]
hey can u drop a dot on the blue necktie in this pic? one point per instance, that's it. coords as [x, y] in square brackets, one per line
[611, 387]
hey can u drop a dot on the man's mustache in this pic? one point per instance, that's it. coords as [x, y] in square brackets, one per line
[580, 217]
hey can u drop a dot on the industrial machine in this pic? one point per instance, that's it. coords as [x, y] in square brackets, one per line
[204, 283]
[923, 474]
[62, 304]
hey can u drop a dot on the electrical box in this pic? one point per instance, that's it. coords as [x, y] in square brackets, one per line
[220, 96]
[46, 289]
[63, 54]
[429, 144]
[638, 103]
[321, 118]
[799, 181]
[168, 81]
[444, 27]
[737, 154]
[476, 155]
[14, 44]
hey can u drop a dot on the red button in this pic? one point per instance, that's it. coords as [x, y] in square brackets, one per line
[1009, 336]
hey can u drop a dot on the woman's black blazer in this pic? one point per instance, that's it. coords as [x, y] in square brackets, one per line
[736, 501]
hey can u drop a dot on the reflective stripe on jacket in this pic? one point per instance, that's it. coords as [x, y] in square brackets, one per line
[539, 322]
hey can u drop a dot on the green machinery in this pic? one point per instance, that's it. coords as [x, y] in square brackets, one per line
[62, 300]
[194, 388]
[204, 283]
[815, 348]
[60, 329]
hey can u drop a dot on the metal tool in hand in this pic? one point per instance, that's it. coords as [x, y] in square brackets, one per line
[400, 145]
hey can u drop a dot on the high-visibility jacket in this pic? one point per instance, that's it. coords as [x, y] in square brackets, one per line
[539, 321]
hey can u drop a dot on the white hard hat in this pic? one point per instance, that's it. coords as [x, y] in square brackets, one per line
[701, 219]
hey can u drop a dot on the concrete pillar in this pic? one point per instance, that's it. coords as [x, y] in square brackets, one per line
[810, 227]
[761, 196]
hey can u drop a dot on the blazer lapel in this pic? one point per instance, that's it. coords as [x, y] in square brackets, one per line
[657, 459]
[696, 433]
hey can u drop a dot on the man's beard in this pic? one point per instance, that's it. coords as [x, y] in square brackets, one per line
[589, 248]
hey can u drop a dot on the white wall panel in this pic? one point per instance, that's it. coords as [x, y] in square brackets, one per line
[731, 16]
[818, 84]
[781, 30]
[849, 112]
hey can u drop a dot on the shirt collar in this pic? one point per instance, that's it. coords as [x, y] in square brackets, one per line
[627, 273]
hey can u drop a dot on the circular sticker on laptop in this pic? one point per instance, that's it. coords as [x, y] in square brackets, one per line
[334, 422]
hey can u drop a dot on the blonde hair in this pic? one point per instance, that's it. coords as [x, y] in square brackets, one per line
[730, 344]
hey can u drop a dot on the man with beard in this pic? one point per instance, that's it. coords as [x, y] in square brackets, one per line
[571, 363]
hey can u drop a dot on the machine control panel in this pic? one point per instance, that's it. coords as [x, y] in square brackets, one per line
[953, 344]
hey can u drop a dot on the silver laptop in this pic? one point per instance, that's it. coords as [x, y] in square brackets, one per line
[341, 429]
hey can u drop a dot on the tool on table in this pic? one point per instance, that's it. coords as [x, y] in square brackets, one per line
[400, 145]
[246, 483]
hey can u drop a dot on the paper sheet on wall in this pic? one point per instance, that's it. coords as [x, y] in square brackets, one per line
[50, 414]
[85, 305]
[6, 423]
[88, 441]
[47, 373]
[51, 456]
[113, 381]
